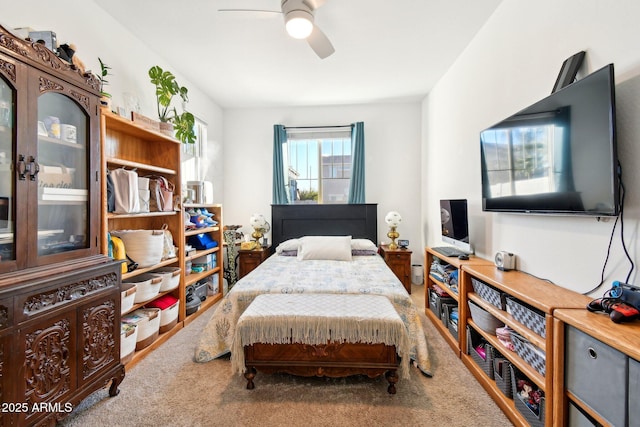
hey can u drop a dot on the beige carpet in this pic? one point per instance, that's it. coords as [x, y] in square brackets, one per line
[168, 389]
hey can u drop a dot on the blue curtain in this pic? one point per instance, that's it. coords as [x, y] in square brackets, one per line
[356, 188]
[279, 186]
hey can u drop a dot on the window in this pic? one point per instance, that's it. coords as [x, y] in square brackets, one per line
[318, 166]
[194, 155]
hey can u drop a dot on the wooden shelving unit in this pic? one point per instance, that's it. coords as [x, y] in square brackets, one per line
[126, 144]
[537, 293]
[621, 338]
[430, 280]
[216, 273]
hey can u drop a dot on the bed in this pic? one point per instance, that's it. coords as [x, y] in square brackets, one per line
[284, 273]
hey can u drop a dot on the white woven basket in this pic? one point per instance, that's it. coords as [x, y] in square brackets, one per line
[142, 246]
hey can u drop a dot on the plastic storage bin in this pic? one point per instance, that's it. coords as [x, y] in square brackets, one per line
[483, 319]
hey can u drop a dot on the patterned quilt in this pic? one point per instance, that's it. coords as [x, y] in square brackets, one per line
[283, 274]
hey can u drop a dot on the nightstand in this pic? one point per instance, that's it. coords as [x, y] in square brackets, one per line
[250, 259]
[399, 261]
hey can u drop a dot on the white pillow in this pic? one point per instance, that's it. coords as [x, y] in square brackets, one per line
[288, 245]
[336, 248]
[363, 245]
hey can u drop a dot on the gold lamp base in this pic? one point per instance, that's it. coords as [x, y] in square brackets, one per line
[393, 235]
[257, 235]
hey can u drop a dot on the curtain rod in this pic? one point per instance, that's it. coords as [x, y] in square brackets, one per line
[318, 127]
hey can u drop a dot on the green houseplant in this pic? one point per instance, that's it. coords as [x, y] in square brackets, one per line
[166, 89]
[105, 99]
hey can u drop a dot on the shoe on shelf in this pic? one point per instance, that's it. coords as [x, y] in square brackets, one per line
[188, 225]
[198, 220]
[205, 212]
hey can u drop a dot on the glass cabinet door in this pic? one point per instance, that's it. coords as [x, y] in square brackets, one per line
[61, 171]
[7, 198]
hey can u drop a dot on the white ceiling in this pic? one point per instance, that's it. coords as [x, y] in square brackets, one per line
[386, 50]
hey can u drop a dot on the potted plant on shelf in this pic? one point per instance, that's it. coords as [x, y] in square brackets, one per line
[105, 99]
[166, 89]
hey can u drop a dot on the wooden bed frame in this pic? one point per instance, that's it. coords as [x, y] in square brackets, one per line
[327, 360]
[331, 359]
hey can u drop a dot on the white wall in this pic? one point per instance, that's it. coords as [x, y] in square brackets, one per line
[96, 34]
[392, 160]
[513, 62]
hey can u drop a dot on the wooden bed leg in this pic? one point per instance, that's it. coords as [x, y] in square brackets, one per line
[250, 374]
[392, 377]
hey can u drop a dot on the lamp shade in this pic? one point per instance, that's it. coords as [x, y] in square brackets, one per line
[257, 221]
[393, 219]
[299, 24]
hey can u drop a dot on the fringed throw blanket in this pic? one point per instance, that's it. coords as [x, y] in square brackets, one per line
[318, 319]
[365, 275]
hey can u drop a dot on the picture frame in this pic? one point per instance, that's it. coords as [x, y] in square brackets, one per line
[568, 71]
[42, 129]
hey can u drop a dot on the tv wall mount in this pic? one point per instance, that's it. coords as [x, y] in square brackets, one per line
[569, 70]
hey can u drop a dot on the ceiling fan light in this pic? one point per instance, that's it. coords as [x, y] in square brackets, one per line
[299, 24]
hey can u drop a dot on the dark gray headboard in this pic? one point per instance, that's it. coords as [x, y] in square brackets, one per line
[292, 221]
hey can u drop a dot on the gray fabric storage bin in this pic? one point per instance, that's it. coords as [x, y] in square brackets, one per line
[597, 375]
[578, 419]
[436, 301]
[634, 390]
[534, 419]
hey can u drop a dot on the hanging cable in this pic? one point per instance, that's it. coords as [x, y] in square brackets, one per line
[624, 246]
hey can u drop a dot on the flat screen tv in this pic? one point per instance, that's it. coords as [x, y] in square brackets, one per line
[557, 156]
[455, 224]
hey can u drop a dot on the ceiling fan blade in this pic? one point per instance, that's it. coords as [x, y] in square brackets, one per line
[314, 4]
[249, 10]
[320, 43]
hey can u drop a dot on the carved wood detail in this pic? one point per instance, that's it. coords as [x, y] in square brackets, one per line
[14, 45]
[47, 371]
[99, 337]
[49, 58]
[81, 98]
[39, 53]
[92, 80]
[334, 359]
[330, 350]
[4, 316]
[47, 85]
[69, 293]
[8, 69]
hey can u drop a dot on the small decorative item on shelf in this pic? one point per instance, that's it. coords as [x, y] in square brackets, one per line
[393, 219]
[260, 228]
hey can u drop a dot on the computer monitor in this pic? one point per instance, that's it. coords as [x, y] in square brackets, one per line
[455, 224]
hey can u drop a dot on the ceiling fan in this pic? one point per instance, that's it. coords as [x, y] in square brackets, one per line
[298, 19]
